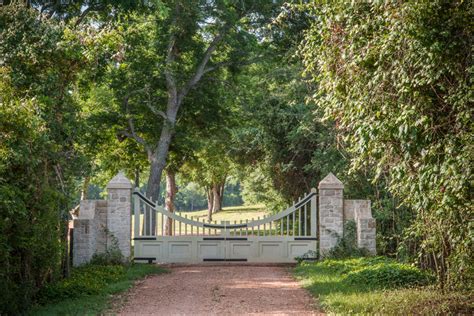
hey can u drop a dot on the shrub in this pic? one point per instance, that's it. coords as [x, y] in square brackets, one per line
[347, 265]
[389, 275]
[346, 246]
[111, 256]
[377, 272]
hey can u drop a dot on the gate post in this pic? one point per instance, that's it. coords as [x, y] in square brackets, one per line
[331, 213]
[119, 207]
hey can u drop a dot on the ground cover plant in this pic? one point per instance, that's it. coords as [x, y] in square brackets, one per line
[378, 285]
[89, 289]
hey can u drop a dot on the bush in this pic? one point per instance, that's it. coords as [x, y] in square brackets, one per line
[378, 272]
[378, 286]
[389, 275]
[348, 265]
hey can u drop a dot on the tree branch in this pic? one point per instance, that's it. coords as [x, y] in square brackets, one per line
[156, 111]
[90, 8]
[203, 63]
[170, 58]
[131, 127]
[228, 63]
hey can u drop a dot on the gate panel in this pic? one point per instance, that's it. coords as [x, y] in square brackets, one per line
[277, 238]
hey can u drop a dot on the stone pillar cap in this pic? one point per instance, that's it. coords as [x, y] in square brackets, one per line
[120, 181]
[331, 182]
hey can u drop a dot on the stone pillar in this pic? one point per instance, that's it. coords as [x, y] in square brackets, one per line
[360, 211]
[331, 212]
[366, 237]
[119, 207]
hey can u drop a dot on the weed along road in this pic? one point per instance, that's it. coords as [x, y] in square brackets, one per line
[220, 290]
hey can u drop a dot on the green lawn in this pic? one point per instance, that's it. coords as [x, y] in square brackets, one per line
[329, 283]
[234, 214]
[231, 214]
[90, 289]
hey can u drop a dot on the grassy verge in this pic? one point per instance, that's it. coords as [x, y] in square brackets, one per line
[90, 289]
[378, 285]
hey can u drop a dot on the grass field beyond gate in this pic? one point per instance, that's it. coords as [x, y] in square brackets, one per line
[232, 214]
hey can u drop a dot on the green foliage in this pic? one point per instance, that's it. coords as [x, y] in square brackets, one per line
[397, 79]
[389, 275]
[39, 163]
[378, 272]
[346, 246]
[378, 285]
[89, 288]
[307, 256]
[191, 196]
[87, 280]
[284, 140]
[111, 256]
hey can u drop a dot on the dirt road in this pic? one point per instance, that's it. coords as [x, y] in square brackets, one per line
[220, 290]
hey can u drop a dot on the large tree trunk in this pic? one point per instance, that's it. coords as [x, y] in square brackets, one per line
[158, 162]
[210, 203]
[221, 192]
[169, 201]
[218, 195]
[137, 177]
[217, 206]
[175, 98]
[158, 159]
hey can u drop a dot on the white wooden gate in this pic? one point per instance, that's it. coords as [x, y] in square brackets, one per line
[276, 238]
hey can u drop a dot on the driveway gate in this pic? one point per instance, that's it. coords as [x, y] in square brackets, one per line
[276, 238]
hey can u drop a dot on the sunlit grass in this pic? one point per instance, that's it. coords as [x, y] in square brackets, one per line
[232, 215]
[336, 296]
[96, 304]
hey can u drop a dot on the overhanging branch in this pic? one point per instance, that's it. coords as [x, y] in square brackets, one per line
[131, 126]
[203, 63]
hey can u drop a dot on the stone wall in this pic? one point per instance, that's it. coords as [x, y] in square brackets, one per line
[334, 210]
[101, 221]
[360, 212]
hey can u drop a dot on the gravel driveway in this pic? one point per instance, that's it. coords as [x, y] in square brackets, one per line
[220, 290]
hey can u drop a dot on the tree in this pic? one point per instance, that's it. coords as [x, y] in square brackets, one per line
[75, 12]
[195, 31]
[152, 79]
[396, 77]
[210, 169]
[39, 161]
